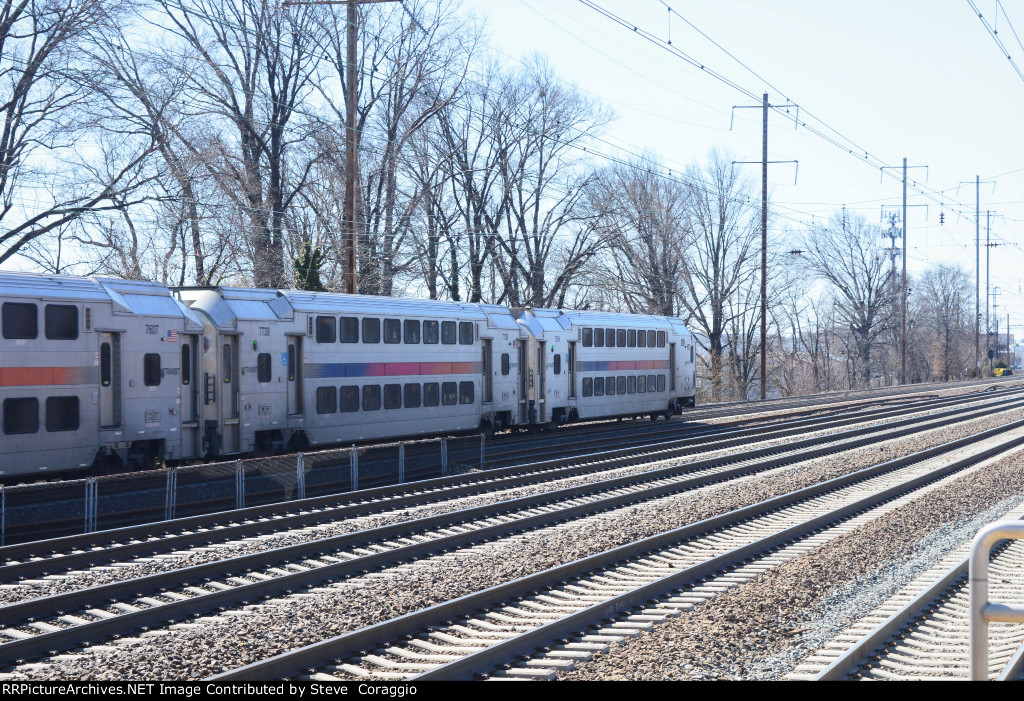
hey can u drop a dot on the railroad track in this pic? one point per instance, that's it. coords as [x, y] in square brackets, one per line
[922, 632]
[375, 466]
[52, 556]
[564, 614]
[89, 616]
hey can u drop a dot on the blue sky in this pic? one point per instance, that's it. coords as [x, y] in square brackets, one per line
[900, 78]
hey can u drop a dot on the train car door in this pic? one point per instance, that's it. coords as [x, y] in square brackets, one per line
[110, 380]
[540, 394]
[488, 364]
[294, 361]
[229, 372]
[572, 369]
[672, 388]
[525, 383]
[189, 397]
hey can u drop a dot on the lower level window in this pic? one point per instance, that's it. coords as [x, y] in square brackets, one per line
[392, 396]
[21, 415]
[431, 393]
[326, 400]
[371, 397]
[466, 392]
[449, 393]
[349, 398]
[61, 414]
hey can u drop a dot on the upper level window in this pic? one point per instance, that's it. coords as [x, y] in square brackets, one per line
[326, 329]
[186, 364]
[661, 339]
[465, 333]
[348, 329]
[620, 338]
[20, 320]
[588, 337]
[151, 369]
[61, 322]
[631, 338]
[392, 331]
[598, 338]
[448, 333]
[412, 331]
[371, 330]
[651, 339]
[431, 332]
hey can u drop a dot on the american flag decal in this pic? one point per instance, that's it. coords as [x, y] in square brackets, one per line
[172, 336]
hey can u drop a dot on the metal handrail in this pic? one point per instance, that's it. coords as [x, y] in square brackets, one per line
[982, 610]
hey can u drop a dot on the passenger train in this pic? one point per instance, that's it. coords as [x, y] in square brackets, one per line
[99, 371]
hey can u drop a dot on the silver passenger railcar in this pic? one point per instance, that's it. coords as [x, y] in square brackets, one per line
[130, 373]
[92, 369]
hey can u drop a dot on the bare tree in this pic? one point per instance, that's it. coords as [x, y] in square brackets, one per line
[722, 256]
[947, 328]
[254, 69]
[645, 215]
[412, 60]
[846, 253]
[46, 122]
[549, 232]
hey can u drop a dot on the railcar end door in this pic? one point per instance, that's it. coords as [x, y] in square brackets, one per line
[230, 399]
[672, 370]
[295, 375]
[110, 380]
[190, 444]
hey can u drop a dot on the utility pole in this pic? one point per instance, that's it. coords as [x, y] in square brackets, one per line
[903, 283]
[988, 254]
[351, 172]
[350, 228]
[988, 257]
[764, 240]
[764, 228]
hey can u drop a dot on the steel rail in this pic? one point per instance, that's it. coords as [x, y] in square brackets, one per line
[98, 630]
[859, 652]
[339, 647]
[83, 549]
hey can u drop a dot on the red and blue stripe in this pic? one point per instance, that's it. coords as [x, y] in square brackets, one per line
[620, 365]
[42, 377]
[316, 371]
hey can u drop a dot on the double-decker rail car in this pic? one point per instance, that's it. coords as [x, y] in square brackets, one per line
[295, 369]
[133, 373]
[93, 369]
[614, 365]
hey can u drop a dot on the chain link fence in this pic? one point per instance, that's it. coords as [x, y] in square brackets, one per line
[54, 509]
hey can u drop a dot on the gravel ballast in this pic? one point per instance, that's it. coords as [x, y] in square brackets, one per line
[211, 645]
[761, 629]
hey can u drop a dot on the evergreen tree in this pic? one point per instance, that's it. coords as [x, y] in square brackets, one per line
[307, 269]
